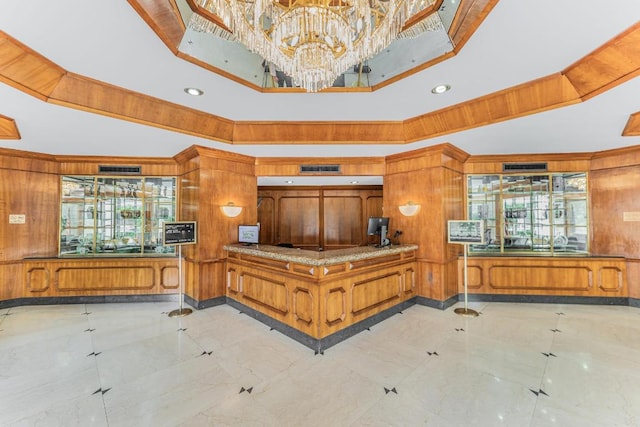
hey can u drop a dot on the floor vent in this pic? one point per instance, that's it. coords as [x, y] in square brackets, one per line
[524, 167]
[120, 170]
[319, 168]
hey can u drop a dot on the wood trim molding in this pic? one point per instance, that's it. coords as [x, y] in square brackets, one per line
[633, 125]
[91, 95]
[8, 128]
[27, 70]
[539, 95]
[163, 18]
[247, 132]
[613, 63]
[610, 65]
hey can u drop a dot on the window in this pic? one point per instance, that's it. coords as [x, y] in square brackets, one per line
[543, 213]
[115, 215]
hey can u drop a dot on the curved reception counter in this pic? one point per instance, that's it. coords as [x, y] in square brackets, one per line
[320, 298]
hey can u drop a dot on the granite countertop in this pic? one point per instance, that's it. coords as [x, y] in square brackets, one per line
[319, 258]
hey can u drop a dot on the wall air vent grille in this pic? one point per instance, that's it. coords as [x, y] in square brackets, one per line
[319, 168]
[120, 170]
[524, 167]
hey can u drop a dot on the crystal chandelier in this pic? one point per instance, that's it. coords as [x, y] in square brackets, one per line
[313, 41]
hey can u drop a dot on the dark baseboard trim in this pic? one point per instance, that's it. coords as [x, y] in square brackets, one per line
[205, 303]
[433, 303]
[546, 299]
[103, 299]
[320, 345]
[634, 302]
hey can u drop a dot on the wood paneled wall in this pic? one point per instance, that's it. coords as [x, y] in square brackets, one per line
[590, 277]
[615, 209]
[433, 178]
[210, 179]
[317, 217]
[329, 217]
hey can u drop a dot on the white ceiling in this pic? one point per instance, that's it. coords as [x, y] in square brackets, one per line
[519, 41]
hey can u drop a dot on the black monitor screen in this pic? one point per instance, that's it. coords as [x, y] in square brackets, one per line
[375, 224]
[248, 234]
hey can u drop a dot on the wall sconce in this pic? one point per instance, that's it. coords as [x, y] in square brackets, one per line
[231, 210]
[409, 208]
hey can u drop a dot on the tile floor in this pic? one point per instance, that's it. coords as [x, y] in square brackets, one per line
[132, 365]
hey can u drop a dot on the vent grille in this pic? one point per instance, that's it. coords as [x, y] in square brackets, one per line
[319, 168]
[120, 170]
[528, 167]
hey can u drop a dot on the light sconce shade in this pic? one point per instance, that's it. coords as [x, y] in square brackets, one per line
[231, 210]
[409, 208]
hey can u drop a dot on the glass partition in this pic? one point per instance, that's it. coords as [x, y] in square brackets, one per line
[542, 213]
[115, 215]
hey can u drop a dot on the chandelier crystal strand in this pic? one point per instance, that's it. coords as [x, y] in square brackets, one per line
[314, 41]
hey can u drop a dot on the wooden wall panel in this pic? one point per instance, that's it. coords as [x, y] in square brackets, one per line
[105, 278]
[633, 278]
[314, 217]
[304, 305]
[594, 277]
[55, 277]
[343, 225]
[615, 212]
[37, 198]
[299, 221]
[271, 293]
[267, 218]
[11, 281]
[210, 179]
[368, 293]
[432, 178]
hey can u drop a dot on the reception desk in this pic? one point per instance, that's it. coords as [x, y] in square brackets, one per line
[320, 298]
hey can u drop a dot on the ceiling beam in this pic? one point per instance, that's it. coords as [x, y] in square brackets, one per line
[8, 128]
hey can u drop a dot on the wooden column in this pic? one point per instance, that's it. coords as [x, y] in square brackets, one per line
[432, 177]
[209, 179]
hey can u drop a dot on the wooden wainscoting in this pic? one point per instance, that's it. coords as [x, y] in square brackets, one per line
[85, 277]
[593, 277]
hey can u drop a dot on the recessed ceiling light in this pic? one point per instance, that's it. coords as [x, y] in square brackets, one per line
[440, 89]
[193, 91]
[354, 182]
[289, 182]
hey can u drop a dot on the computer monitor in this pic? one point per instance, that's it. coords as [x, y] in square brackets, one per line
[379, 226]
[249, 234]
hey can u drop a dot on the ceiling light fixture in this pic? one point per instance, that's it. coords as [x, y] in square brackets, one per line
[194, 91]
[313, 41]
[440, 89]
